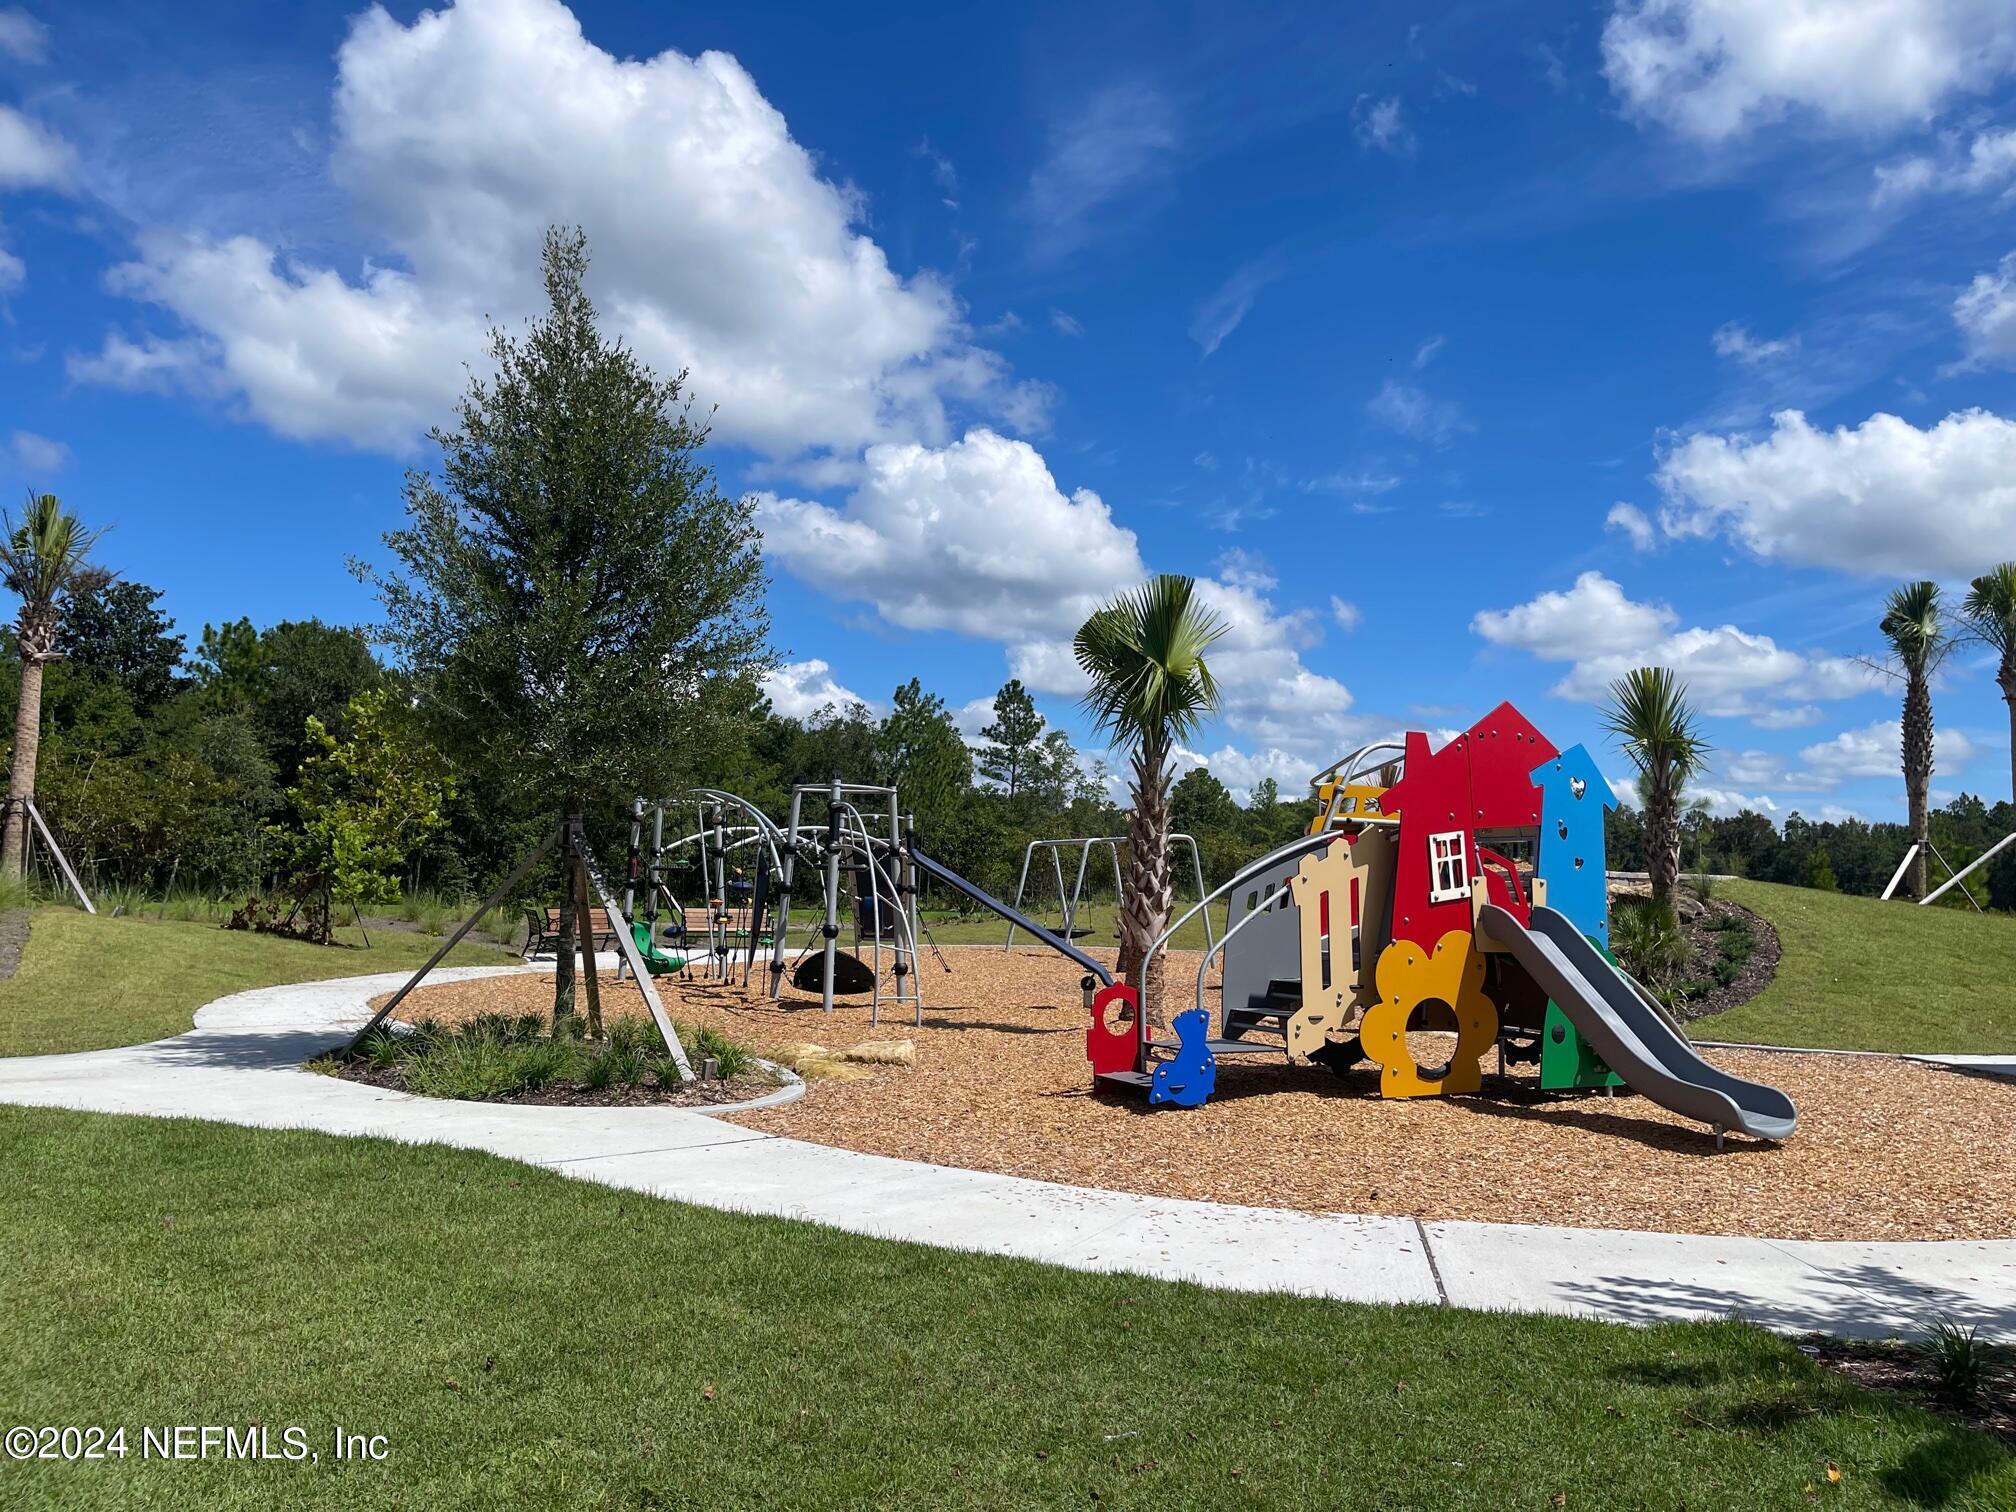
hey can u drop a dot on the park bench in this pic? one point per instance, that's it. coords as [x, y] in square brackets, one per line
[542, 931]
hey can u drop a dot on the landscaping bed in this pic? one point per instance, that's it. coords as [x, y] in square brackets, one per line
[515, 1059]
[1886, 1149]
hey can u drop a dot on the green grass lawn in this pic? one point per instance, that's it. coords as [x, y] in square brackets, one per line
[86, 983]
[1859, 974]
[523, 1340]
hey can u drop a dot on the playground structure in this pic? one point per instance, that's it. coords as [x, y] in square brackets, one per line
[862, 858]
[1069, 903]
[1460, 889]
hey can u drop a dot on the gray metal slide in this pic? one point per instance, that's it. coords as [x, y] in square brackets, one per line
[1634, 1039]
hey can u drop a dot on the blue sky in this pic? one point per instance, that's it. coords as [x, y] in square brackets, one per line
[1468, 357]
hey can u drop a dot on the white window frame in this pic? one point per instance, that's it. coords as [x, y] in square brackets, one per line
[1446, 849]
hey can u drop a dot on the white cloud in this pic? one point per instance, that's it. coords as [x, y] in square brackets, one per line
[1347, 614]
[1246, 569]
[13, 272]
[1603, 634]
[1065, 324]
[22, 37]
[1735, 341]
[39, 455]
[1794, 717]
[717, 246]
[1986, 315]
[1988, 163]
[1380, 127]
[1362, 482]
[1122, 137]
[1592, 618]
[1876, 750]
[1242, 771]
[1723, 803]
[1711, 70]
[31, 155]
[1727, 671]
[974, 537]
[1881, 497]
[1412, 411]
[1428, 351]
[1630, 519]
[798, 690]
[1220, 315]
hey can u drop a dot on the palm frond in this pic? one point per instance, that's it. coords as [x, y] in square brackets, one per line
[43, 553]
[1990, 608]
[1650, 715]
[1145, 656]
[1914, 622]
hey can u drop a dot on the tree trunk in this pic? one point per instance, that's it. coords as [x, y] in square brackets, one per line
[1918, 773]
[1144, 909]
[2005, 678]
[21, 780]
[563, 950]
[1662, 838]
[591, 979]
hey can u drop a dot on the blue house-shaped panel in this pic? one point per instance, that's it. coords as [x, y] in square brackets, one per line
[1571, 857]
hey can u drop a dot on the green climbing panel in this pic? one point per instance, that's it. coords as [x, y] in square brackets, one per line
[1566, 1059]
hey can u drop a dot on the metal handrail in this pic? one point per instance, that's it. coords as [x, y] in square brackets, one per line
[1302, 845]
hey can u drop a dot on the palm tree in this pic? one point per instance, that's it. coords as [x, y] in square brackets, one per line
[1916, 629]
[42, 559]
[1991, 616]
[1151, 687]
[1649, 712]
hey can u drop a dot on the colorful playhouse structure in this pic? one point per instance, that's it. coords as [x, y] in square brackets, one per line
[1460, 890]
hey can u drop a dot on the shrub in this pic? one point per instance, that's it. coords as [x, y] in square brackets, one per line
[1648, 939]
[1957, 1358]
[730, 1058]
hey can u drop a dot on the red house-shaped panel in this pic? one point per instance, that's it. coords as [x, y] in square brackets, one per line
[1480, 780]
[1504, 749]
[1431, 892]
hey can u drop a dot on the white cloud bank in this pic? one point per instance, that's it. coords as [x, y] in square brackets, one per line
[718, 246]
[1884, 497]
[1712, 70]
[1602, 634]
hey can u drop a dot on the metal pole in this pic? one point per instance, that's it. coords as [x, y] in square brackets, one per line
[1063, 907]
[906, 897]
[636, 847]
[57, 851]
[638, 970]
[724, 948]
[1078, 886]
[1197, 864]
[784, 881]
[832, 925]
[497, 896]
[1898, 875]
[1952, 876]
[1021, 883]
[1980, 860]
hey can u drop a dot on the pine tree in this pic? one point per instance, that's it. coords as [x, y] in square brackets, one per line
[1011, 739]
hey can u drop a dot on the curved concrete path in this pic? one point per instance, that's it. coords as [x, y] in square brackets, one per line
[241, 1065]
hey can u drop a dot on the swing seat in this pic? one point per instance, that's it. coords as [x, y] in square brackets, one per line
[852, 976]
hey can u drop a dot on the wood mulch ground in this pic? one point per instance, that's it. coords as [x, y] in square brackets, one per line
[1886, 1149]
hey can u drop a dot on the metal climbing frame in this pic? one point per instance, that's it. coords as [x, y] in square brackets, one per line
[848, 836]
[1070, 903]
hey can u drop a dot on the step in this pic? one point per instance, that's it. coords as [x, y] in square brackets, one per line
[1272, 1010]
[1220, 1047]
[1132, 1081]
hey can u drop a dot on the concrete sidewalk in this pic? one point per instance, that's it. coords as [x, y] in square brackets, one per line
[241, 1065]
